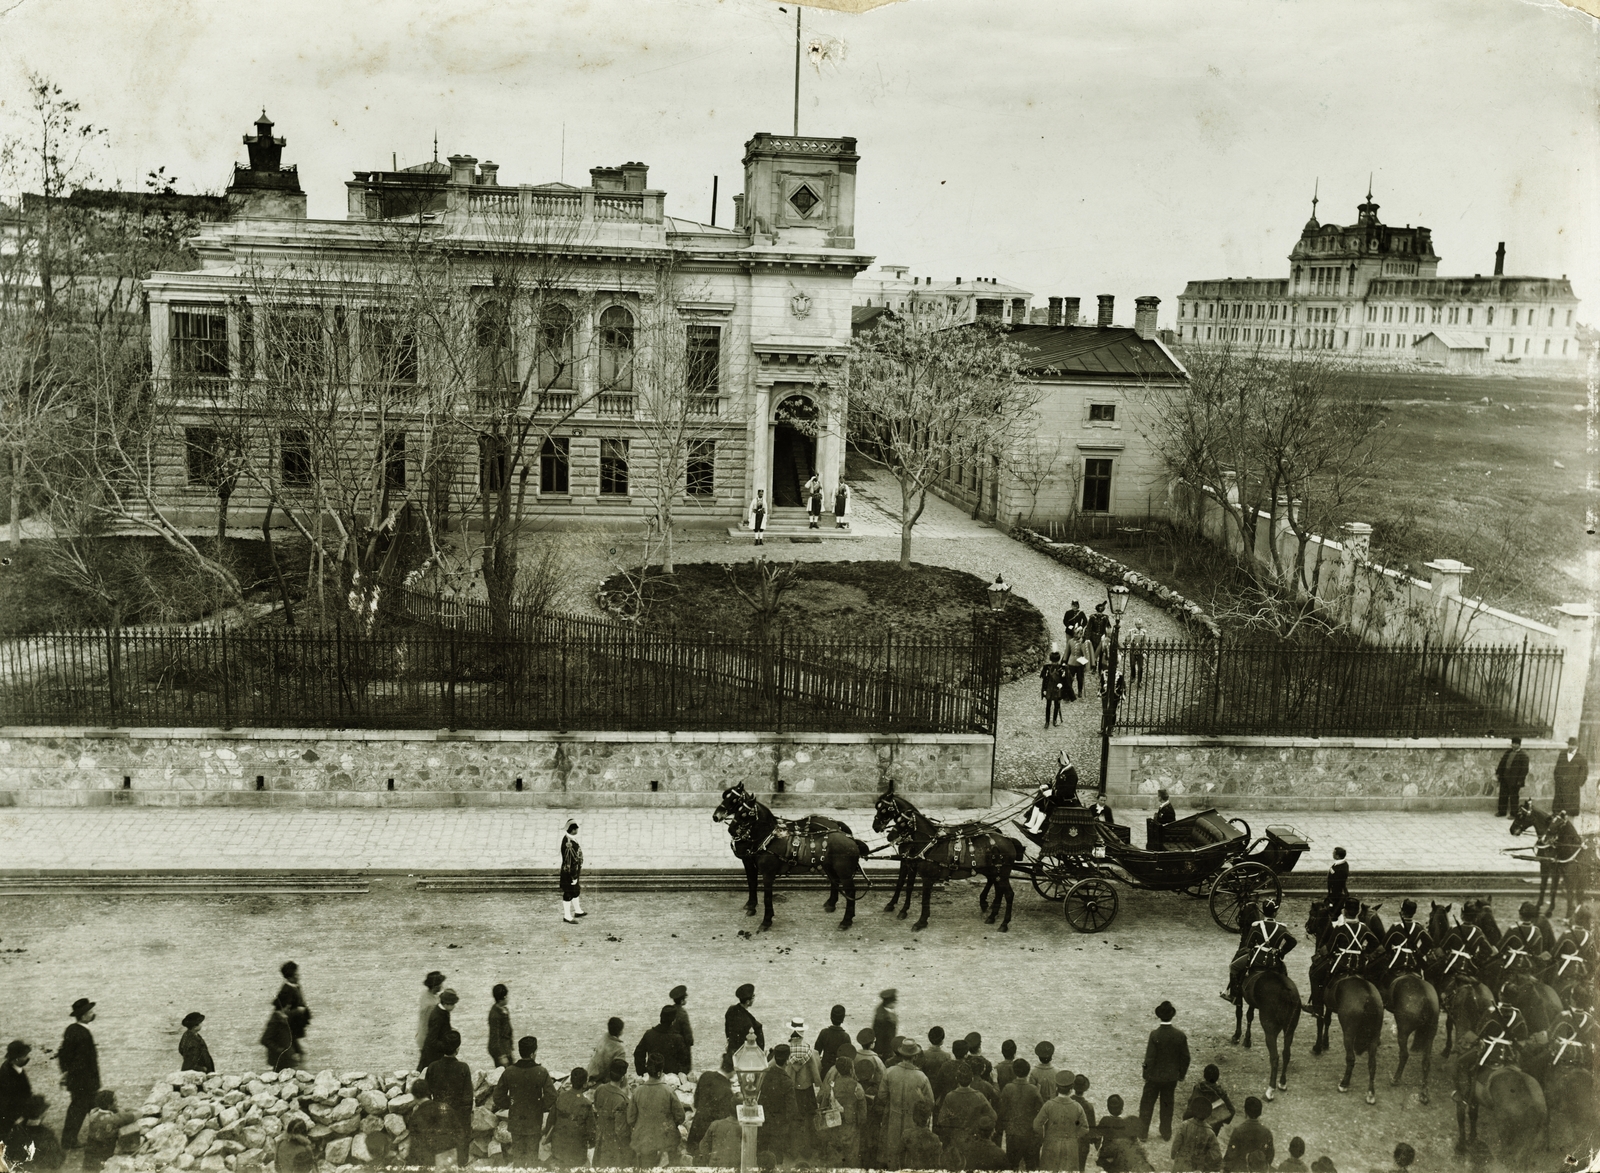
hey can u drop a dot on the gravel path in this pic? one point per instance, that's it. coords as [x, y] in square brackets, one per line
[945, 536]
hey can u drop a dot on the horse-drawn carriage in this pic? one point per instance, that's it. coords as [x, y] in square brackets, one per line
[1202, 855]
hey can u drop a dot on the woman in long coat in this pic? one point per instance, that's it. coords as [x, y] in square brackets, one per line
[613, 1147]
[1061, 1127]
[654, 1115]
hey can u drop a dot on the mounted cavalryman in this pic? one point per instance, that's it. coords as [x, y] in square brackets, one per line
[1264, 947]
[1406, 944]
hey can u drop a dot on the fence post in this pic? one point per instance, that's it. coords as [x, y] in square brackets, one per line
[1522, 669]
[778, 667]
[1422, 684]
[1216, 686]
[227, 684]
[450, 703]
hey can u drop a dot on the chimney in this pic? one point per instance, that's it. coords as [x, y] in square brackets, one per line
[1019, 310]
[634, 176]
[1500, 260]
[461, 167]
[1144, 316]
[1055, 312]
[1106, 301]
[958, 280]
[1069, 311]
[490, 174]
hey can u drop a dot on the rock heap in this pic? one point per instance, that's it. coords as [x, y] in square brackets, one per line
[217, 1123]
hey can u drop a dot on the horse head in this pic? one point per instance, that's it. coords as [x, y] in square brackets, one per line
[1525, 817]
[891, 811]
[737, 803]
[1441, 919]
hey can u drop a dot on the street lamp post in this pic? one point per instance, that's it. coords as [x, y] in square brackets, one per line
[1109, 696]
[749, 1061]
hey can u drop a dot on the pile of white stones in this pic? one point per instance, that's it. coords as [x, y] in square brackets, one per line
[214, 1123]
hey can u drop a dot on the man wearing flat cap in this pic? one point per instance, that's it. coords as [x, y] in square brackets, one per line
[1166, 1062]
[886, 1025]
[571, 875]
[192, 1047]
[738, 1021]
[902, 1088]
[679, 996]
[79, 1061]
[1061, 1126]
[16, 1089]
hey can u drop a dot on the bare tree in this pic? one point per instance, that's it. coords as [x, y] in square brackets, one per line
[1033, 463]
[922, 401]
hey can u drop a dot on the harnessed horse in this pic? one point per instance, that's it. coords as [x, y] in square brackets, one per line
[1359, 1005]
[938, 851]
[1453, 969]
[768, 845]
[1561, 855]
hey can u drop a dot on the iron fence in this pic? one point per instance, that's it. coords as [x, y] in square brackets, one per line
[553, 673]
[1422, 690]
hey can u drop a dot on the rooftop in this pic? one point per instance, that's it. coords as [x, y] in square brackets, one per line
[1094, 350]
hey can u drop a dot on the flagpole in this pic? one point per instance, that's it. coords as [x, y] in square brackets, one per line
[797, 71]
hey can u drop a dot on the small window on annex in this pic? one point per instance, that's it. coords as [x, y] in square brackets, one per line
[394, 460]
[1102, 412]
[200, 448]
[555, 456]
[294, 453]
[702, 468]
[701, 359]
[614, 465]
[494, 460]
[555, 347]
[616, 350]
[388, 351]
[200, 342]
[1096, 486]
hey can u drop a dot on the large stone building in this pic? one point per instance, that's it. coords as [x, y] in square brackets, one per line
[931, 304]
[1373, 291]
[761, 310]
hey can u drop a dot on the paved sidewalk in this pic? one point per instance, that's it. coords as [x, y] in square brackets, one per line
[231, 839]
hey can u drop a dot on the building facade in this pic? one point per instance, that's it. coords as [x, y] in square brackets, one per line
[757, 315]
[1086, 451]
[1373, 291]
[931, 304]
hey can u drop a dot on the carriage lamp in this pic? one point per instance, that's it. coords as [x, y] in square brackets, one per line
[749, 1061]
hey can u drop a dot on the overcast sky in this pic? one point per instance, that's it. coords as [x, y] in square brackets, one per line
[1071, 148]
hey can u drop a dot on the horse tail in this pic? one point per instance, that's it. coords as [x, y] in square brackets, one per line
[862, 849]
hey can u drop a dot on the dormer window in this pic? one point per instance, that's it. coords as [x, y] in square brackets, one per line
[804, 199]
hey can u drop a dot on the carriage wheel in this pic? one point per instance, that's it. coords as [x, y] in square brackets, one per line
[1051, 879]
[1242, 825]
[1090, 905]
[1240, 885]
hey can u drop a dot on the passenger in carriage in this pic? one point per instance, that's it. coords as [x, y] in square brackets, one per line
[1061, 791]
[1102, 811]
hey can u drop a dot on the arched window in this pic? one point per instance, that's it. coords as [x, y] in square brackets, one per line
[492, 339]
[555, 347]
[616, 350]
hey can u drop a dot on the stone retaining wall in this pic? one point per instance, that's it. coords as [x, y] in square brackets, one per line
[68, 767]
[1303, 773]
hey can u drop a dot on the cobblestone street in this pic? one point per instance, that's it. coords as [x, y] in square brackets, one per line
[148, 961]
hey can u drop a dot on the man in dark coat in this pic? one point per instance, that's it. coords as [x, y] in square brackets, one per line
[1019, 1104]
[1250, 1142]
[738, 1021]
[885, 1024]
[1073, 619]
[192, 1047]
[571, 876]
[278, 1040]
[439, 1029]
[663, 1041]
[777, 1100]
[1338, 883]
[432, 1125]
[79, 1061]
[1572, 771]
[1510, 773]
[713, 1099]
[15, 1087]
[681, 1024]
[1166, 1062]
[451, 1081]
[293, 1001]
[527, 1089]
[831, 1039]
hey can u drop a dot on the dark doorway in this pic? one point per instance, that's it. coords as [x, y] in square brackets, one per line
[794, 453]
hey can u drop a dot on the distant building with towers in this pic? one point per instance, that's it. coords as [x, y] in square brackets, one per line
[934, 304]
[1373, 291]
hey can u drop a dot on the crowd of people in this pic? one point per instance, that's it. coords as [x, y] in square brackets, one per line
[877, 1098]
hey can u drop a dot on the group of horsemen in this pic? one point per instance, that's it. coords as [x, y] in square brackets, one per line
[1528, 951]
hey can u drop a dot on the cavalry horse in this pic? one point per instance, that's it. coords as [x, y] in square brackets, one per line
[1512, 1101]
[938, 851]
[768, 845]
[1453, 970]
[1563, 857]
[1414, 1002]
[1275, 996]
[1357, 1002]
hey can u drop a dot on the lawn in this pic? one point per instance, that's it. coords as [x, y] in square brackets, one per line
[847, 600]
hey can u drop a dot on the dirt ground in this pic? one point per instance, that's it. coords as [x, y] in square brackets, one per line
[147, 961]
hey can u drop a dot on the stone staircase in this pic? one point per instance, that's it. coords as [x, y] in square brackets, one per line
[792, 521]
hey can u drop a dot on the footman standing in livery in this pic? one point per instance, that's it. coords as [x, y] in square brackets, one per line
[571, 874]
[1264, 947]
[1338, 882]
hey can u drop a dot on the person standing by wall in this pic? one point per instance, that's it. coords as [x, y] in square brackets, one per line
[613, 1145]
[16, 1089]
[439, 1029]
[609, 1048]
[572, 1125]
[1053, 686]
[431, 985]
[278, 1040]
[500, 1034]
[192, 1049]
[1166, 1062]
[528, 1091]
[814, 501]
[679, 996]
[101, 1129]
[571, 875]
[757, 518]
[654, 1115]
[79, 1060]
[1510, 773]
[886, 1024]
[841, 505]
[293, 1000]
[451, 1081]
[1572, 771]
[1134, 646]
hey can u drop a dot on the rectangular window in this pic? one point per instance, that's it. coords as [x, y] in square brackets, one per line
[1488, 317]
[1547, 346]
[1551, 320]
[1369, 338]
[1385, 341]
[1513, 317]
[294, 450]
[702, 468]
[389, 351]
[1405, 313]
[555, 457]
[494, 458]
[1569, 317]
[1096, 486]
[199, 343]
[1511, 345]
[702, 359]
[394, 460]
[200, 446]
[293, 346]
[1102, 412]
[1469, 315]
[614, 466]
